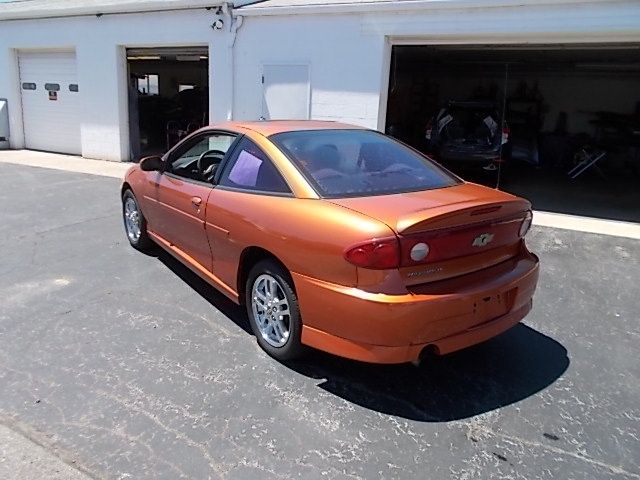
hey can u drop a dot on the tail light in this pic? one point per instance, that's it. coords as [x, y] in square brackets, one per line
[388, 253]
[526, 224]
[505, 134]
[377, 254]
[427, 133]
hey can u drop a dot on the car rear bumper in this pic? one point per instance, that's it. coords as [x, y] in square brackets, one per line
[442, 316]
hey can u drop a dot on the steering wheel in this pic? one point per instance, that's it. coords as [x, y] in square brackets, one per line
[206, 165]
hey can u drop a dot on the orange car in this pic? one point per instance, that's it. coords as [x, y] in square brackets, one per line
[337, 237]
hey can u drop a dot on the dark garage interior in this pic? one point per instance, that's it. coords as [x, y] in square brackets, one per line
[168, 96]
[558, 124]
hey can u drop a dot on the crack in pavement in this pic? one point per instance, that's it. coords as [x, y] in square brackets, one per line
[613, 468]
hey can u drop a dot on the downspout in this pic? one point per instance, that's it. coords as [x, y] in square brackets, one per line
[235, 24]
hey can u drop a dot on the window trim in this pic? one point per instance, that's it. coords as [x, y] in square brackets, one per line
[264, 193]
[316, 188]
[190, 180]
[182, 147]
[227, 158]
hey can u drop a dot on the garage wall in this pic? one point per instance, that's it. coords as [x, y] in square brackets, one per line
[345, 65]
[99, 43]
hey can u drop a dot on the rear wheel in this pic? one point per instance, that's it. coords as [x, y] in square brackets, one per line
[135, 224]
[273, 310]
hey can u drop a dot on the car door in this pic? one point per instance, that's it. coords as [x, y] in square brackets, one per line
[183, 192]
[248, 184]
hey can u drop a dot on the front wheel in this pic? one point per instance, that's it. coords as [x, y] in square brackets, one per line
[273, 310]
[135, 224]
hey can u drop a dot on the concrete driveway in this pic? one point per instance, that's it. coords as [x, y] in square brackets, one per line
[128, 366]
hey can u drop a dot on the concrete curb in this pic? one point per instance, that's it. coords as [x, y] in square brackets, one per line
[68, 163]
[613, 228]
[21, 458]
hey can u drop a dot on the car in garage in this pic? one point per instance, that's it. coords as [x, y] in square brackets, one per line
[337, 237]
[468, 134]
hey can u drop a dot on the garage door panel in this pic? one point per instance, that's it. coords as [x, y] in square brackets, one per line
[51, 120]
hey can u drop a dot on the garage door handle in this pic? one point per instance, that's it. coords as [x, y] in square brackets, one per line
[196, 201]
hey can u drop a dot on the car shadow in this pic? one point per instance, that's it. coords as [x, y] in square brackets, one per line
[496, 373]
[499, 372]
[217, 300]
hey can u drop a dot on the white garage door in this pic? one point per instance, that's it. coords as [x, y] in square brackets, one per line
[50, 101]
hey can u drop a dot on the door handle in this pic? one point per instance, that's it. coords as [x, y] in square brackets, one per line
[196, 201]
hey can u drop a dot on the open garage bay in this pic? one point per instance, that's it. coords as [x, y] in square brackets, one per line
[557, 123]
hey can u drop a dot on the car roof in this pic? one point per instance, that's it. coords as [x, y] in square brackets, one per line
[271, 127]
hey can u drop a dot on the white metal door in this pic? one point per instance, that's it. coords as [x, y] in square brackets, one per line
[286, 92]
[50, 101]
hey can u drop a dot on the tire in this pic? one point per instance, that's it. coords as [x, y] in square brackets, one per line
[135, 225]
[279, 337]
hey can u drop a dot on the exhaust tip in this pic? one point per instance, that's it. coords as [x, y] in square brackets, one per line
[427, 352]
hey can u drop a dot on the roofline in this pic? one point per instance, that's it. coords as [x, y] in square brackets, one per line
[266, 128]
[17, 11]
[255, 9]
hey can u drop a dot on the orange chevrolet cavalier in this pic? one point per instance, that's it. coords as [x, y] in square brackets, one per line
[337, 237]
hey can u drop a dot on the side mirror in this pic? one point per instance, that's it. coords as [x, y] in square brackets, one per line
[151, 164]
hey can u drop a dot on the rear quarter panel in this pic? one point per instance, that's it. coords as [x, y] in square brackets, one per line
[308, 236]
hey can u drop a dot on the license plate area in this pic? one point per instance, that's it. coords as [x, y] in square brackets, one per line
[489, 307]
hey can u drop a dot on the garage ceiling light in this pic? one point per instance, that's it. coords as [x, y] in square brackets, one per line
[187, 58]
[145, 57]
[167, 51]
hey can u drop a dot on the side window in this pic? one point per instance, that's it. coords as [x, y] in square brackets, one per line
[250, 169]
[211, 147]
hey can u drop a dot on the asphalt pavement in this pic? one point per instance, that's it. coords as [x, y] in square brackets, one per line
[122, 365]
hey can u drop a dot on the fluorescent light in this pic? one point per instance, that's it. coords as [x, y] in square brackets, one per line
[145, 57]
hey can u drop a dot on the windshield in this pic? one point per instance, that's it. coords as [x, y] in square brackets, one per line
[348, 163]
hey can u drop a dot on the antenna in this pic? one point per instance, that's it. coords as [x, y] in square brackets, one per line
[503, 122]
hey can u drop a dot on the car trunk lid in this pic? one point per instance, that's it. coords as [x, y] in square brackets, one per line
[467, 228]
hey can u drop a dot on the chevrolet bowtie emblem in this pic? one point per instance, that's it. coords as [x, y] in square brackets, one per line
[482, 240]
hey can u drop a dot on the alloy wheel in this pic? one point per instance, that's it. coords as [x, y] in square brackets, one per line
[270, 309]
[132, 219]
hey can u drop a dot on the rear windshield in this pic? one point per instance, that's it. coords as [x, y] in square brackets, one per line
[348, 163]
